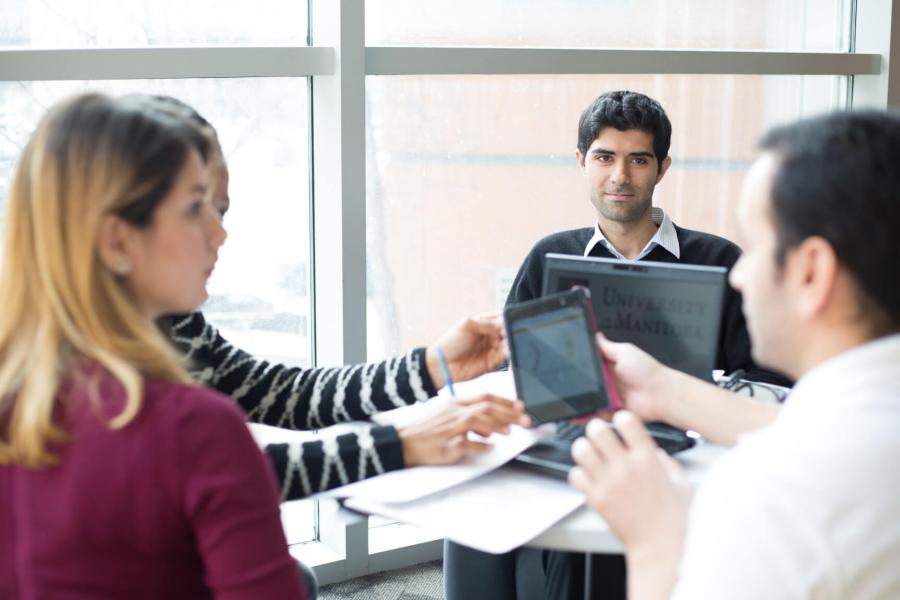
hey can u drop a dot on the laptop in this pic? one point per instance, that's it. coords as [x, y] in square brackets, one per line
[671, 311]
[553, 456]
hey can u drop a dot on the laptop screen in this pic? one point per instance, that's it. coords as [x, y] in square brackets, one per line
[672, 311]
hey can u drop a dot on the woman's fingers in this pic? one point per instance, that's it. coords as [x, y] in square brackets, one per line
[497, 401]
[443, 438]
[486, 324]
[501, 412]
[458, 447]
[483, 415]
[482, 419]
[506, 409]
[464, 446]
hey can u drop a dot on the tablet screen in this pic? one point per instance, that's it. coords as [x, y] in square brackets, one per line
[556, 363]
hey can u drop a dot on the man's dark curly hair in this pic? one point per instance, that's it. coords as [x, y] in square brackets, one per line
[625, 110]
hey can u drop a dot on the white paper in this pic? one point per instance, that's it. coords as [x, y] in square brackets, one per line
[408, 484]
[493, 513]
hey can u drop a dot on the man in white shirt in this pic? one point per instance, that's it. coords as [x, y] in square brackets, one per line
[622, 143]
[805, 506]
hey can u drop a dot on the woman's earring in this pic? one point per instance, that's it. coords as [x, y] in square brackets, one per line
[123, 266]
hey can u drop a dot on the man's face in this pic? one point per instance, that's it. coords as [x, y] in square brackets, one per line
[622, 171]
[756, 274]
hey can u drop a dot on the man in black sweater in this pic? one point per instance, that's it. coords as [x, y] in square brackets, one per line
[623, 152]
[623, 147]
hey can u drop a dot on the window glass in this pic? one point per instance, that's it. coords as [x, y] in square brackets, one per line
[122, 23]
[722, 24]
[259, 292]
[467, 173]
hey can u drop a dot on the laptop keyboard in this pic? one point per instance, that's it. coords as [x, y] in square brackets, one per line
[568, 432]
[668, 438]
[555, 455]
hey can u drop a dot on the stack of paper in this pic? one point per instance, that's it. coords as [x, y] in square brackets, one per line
[485, 503]
[493, 513]
[477, 502]
[416, 482]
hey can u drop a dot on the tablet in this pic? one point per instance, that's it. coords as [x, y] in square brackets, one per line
[554, 356]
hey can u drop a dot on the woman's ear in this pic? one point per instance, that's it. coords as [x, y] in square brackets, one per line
[112, 245]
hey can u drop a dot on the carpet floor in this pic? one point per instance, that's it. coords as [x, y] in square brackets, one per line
[418, 582]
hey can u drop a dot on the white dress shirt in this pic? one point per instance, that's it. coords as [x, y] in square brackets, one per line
[665, 236]
[808, 507]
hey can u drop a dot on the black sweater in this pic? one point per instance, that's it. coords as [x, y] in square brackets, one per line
[696, 248]
[295, 398]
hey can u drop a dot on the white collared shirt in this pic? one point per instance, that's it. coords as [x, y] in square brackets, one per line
[665, 236]
[808, 507]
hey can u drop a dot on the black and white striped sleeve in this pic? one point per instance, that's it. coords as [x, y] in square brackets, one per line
[306, 468]
[296, 398]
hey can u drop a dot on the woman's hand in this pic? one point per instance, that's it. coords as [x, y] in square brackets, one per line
[473, 346]
[443, 438]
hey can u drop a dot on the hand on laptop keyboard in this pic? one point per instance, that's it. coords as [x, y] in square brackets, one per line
[668, 438]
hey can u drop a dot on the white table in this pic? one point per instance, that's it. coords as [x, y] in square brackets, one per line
[581, 531]
[586, 531]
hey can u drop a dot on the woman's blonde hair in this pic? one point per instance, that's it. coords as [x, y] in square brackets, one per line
[62, 308]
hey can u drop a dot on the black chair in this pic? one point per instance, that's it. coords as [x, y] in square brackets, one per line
[309, 578]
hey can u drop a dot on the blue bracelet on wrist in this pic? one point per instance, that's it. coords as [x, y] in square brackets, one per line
[445, 371]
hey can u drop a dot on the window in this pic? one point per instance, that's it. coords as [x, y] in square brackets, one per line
[702, 24]
[465, 174]
[259, 293]
[139, 23]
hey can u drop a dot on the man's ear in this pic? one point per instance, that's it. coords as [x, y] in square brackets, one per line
[666, 163]
[113, 243]
[580, 158]
[813, 276]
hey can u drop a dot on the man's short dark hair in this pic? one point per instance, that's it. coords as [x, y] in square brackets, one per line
[837, 178]
[624, 110]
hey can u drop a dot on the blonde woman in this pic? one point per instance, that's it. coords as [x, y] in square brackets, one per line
[118, 477]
